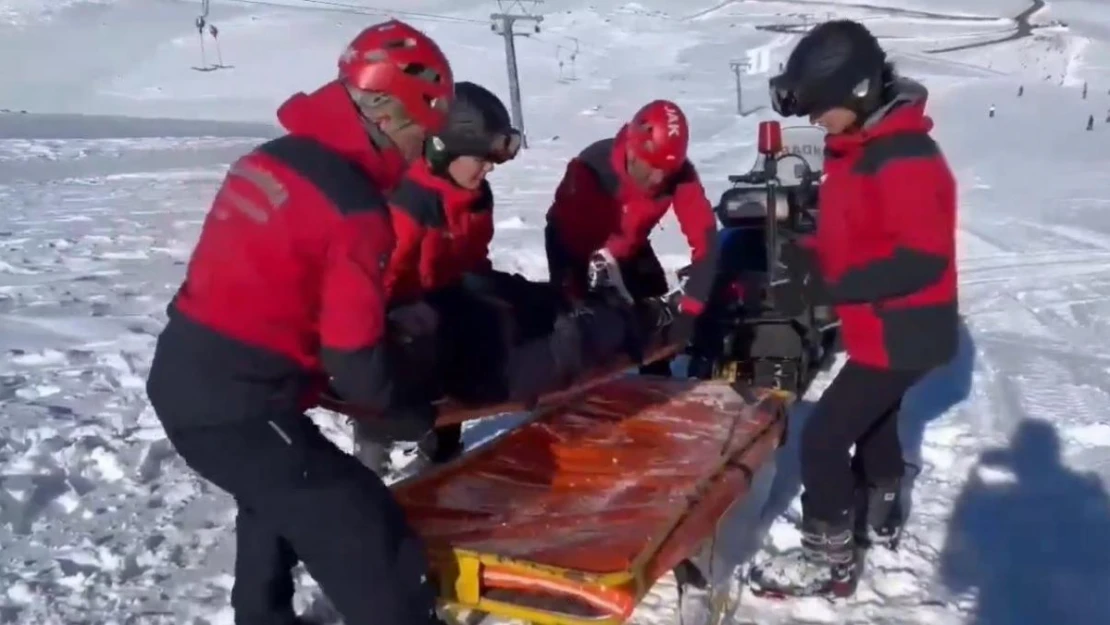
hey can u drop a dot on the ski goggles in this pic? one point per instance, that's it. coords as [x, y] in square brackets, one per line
[790, 101]
[784, 99]
[815, 99]
[501, 148]
[505, 146]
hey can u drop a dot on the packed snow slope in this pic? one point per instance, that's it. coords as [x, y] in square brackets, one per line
[106, 177]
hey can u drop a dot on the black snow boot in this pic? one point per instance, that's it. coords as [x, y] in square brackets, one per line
[589, 337]
[827, 564]
[372, 448]
[442, 445]
[580, 341]
[659, 368]
[880, 514]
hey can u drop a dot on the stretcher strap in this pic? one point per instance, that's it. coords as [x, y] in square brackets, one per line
[615, 602]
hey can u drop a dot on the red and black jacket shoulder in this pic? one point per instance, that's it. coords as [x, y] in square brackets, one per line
[428, 201]
[415, 209]
[598, 157]
[584, 212]
[586, 208]
[902, 274]
[911, 176]
[351, 321]
[429, 255]
[285, 279]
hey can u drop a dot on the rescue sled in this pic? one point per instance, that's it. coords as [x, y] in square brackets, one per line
[571, 518]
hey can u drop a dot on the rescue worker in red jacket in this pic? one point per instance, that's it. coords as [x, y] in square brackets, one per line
[443, 220]
[610, 199]
[496, 335]
[885, 248]
[285, 284]
[443, 213]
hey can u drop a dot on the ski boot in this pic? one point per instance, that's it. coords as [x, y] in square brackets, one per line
[442, 445]
[371, 449]
[879, 514]
[826, 565]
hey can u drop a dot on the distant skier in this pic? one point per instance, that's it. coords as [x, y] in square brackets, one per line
[613, 195]
[885, 247]
[284, 285]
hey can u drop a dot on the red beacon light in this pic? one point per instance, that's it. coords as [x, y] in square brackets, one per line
[770, 138]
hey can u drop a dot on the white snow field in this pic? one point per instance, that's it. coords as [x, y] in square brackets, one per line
[101, 523]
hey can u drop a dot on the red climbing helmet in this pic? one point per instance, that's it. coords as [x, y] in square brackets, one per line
[400, 61]
[659, 135]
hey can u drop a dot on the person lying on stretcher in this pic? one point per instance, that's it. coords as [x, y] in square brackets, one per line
[460, 328]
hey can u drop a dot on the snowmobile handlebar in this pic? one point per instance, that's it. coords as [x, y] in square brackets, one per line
[760, 177]
[752, 177]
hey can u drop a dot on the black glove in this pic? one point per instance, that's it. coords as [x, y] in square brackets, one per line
[604, 274]
[679, 325]
[682, 330]
[657, 313]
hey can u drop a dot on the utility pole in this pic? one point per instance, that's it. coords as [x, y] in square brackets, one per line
[737, 68]
[503, 25]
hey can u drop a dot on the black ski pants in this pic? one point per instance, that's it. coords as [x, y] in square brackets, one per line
[860, 407]
[476, 337]
[302, 499]
[643, 276]
[472, 346]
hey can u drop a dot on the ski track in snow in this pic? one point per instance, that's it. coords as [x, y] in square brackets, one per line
[100, 522]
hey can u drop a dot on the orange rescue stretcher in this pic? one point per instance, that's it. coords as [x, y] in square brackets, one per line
[570, 518]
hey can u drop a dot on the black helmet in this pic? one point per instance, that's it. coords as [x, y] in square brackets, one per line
[837, 64]
[478, 124]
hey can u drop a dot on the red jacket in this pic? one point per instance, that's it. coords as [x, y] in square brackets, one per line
[598, 205]
[290, 258]
[886, 239]
[443, 232]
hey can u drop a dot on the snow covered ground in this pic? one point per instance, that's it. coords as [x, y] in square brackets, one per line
[101, 523]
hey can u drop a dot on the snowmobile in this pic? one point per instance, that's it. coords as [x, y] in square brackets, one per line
[767, 323]
[619, 479]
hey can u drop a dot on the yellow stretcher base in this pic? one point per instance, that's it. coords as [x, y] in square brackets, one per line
[611, 492]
